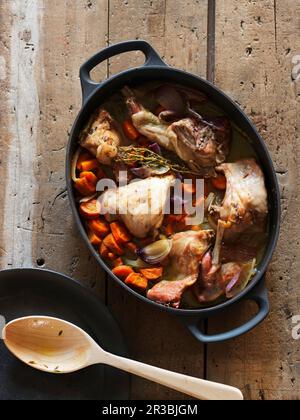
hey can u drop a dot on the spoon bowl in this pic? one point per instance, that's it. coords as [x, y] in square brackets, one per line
[56, 346]
[49, 344]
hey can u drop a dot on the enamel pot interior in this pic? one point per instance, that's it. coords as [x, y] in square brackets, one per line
[164, 73]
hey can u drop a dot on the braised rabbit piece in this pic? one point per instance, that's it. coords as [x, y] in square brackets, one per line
[140, 205]
[172, 195]
[245, 206]
[188, 249]
[201, 143]
[101, 137]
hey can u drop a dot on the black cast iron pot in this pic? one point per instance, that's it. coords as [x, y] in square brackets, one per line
[155, 69]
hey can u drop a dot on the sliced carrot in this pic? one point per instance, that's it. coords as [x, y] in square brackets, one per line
[103, 251]
[90, 165]
[84, 187]
[99, 226]
[94, 239]
[118, 262]
[169, 230]
[112, 245]
[120, 232]
[173, 218]
[195, 228]
[130, 131]
[84, 156]
[89, 176]
[132, 247]
[111, 256]
[137, 281]
[90, 210]
[123, 271]
[152, 273]
[220, 182]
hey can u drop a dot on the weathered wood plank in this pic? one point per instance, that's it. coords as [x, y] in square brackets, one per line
[177, 29]
[255, 44]
[44, 44]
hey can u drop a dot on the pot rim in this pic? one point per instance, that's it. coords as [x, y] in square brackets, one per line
[273, 235]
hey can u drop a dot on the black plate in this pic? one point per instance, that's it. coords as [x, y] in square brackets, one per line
[37, 292]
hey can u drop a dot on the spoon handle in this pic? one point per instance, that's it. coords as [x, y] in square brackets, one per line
[197, 388]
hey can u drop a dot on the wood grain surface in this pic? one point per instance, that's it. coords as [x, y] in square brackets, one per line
[247, 47]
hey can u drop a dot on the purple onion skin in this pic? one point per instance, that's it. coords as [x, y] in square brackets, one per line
[179, 176]
[142, 173]
[141, 254]
[154, 147]
[232, 283]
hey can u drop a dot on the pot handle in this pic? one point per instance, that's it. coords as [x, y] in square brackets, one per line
[258, 295]
[152, 59]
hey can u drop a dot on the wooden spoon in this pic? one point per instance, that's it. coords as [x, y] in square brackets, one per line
[55, 346]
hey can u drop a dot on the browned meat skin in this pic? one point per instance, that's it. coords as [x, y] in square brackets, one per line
[140, 205]
[214, 279]
[201, 143]
[186, 255]
[245, 205]
[239, 252]
[170, 292]
[101, 137]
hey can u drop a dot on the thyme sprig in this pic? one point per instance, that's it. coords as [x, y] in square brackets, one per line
[132, 154]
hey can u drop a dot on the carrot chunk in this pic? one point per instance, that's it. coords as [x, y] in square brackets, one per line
[103, 251]
[132, 247]
[118, 262]
[220, 182]
[137, 281]
[130, 131]
[152, 273]
[84, 157]
[89, 176]
[123, 271]
[90, 210]
[84, 187]
[112, 245]
[169, 230]
[100, 227]
[94, 239]
[120, 232]
[90, 165]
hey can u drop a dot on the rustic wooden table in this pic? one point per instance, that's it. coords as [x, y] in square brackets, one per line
[248, 48]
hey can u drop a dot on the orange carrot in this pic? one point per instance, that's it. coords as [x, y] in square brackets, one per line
[84, 156]
[111, 256]
[103, 251]
[123, 271]
[130, 130]
[120, 232]
[89, 176]
[99, 226]
[90, 210]
[90, 165]
[169, 230]
[137, 281]
[94, 239]
[112, 245]
[132, 247]
[117, 263]
[220, 182]
[152, 274]
[84, 187]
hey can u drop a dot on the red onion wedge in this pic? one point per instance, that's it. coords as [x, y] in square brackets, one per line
[155, 253]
